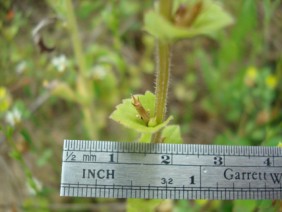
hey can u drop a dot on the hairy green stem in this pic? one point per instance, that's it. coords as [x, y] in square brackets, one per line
[162, 81]
[165, 8]
[163, 71]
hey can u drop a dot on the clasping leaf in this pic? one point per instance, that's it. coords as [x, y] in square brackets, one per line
[127, 115]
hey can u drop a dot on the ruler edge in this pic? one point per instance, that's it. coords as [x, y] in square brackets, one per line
[264, 150]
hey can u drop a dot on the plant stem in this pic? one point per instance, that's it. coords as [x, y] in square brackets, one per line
[26, 169]
[165, 8]
[163, 51]
[84, 88]
[77, 47]
[163, 71]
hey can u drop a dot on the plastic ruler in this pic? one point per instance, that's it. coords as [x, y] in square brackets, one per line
[170, 171]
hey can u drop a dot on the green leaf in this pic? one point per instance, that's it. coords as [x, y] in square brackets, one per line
[267, 206]
[35, 202]
[27, 137]
[211, 18]
[172, 134]
[244, 205]
[15, 155]
[145, 138]
[138, 205]
[126, 114]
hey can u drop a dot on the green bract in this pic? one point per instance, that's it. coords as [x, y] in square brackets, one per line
[127, 115]
[211, 18]
[171, 134]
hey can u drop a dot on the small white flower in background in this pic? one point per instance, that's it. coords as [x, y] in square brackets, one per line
[21, 67]
[13, 117]
[99, 72]
[60, 63]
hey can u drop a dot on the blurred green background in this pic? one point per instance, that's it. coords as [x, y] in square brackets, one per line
[224, 90]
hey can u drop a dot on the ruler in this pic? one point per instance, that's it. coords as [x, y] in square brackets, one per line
[170, 171]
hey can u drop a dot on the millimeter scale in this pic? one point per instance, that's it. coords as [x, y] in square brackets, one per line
[170, 171]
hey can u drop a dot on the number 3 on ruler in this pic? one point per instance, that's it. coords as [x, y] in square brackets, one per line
[217, 160]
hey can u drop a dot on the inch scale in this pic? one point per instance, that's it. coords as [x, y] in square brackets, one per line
[170, 171]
